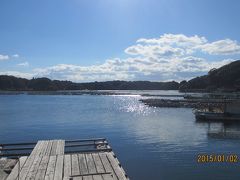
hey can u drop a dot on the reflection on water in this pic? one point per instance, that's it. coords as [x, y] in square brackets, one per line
[225, 130]
[151, 143]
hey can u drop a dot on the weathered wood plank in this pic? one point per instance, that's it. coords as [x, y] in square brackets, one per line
[36, 163]
[48, 151]
[75, 165]
[62, 149]
[44, 149]
[58, 148]
[67, 166]
[51, 168]
[38, 150]
[107, 165]
[78, 178]
[90, 164]
[14, 174]
[54, 146]
[30, 160]
[34, 168]
[98, 163]
[116, 167]
[42, 168]
[107, 177]
[97, 177]
[36, 147]
[82, 164]
[58, 174]
[87, 177]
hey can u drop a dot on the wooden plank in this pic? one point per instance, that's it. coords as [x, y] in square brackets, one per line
[51, 168]
[44, 149]
[87, 177]
[90, 164]
[107, 177]
[48, 151]
[117, 169]
[107, 165]
[38, 158]
[34, 168]
[30, 160]
[54, 146]
[62, 147]
[67, 166]
[75, 165]
[82, 164]
[78, 178]
[58, 175]
[98, 163]
[37, 149]
[97, 177]
[58, 148]
[42, 168]
[14, 173]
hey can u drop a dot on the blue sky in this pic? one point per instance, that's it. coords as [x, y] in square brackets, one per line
[98, 40]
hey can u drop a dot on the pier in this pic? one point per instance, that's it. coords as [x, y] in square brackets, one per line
[86, 159]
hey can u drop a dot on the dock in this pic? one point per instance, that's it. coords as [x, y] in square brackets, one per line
[88, 159]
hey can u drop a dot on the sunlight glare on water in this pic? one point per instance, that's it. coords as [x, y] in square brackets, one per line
[130, 103]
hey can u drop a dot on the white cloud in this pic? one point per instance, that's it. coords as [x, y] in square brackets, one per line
[110, 70]
[166, 45]
[179, 44]
[175, 39]
[17, 74]
[154, 50]
[15, 56]
[127, 69]
[169, 57]
[221, 47]
[4, 57]
[7, 57]
[130, 69]
[24, 64]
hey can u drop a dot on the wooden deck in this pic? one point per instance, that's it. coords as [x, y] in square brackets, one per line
[47, 161]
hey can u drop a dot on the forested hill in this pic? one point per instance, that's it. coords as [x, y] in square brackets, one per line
[45, 84]
[224, 78]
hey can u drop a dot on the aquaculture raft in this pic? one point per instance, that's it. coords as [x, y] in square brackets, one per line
[88, 159]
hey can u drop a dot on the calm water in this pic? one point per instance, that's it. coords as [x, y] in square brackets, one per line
[151, 143]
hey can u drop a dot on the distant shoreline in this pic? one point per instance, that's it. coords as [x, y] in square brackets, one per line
[110, 92]
[89, 92]
[223, 79]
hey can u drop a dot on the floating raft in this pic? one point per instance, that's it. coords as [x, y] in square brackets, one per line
[91, 159]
